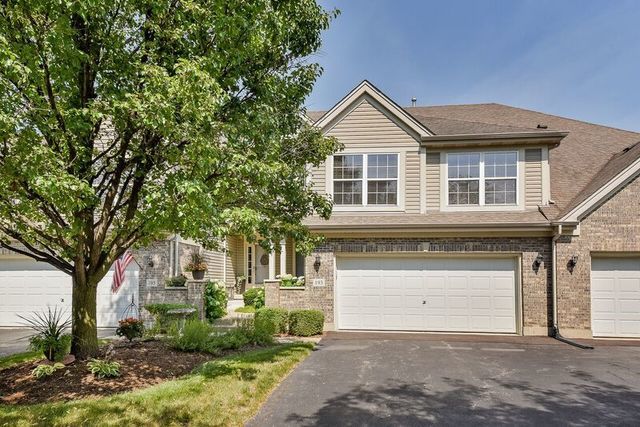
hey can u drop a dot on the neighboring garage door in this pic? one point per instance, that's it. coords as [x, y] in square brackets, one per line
[427, 294]
[615, 297]
[27, 286]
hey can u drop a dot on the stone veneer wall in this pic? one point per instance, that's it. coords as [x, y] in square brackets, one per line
[535, 290]
[152, 278]
[613, 227]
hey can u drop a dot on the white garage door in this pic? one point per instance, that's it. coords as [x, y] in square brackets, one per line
[615, 297]
[427, 294]
[27, 286]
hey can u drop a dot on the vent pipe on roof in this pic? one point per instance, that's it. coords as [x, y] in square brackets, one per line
[413, 101]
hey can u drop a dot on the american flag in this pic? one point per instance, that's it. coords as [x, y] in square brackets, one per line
[120, 267]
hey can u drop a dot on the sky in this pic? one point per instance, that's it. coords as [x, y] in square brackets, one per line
[573, 58]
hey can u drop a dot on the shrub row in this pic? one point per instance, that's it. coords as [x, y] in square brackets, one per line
[200, 336]
[302, 323]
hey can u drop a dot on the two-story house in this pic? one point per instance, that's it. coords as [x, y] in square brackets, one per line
[470, 218]
[464, 218]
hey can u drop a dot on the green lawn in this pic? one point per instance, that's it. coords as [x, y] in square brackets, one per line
[246, 309]
[223, 392]
[14, 359]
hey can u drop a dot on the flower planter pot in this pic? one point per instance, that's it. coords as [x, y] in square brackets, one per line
[198, 274]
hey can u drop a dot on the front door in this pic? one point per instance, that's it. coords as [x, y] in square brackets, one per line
[262, 264]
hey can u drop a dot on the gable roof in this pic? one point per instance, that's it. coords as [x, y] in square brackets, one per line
[366, 89]
[622, 168]
[589, 156]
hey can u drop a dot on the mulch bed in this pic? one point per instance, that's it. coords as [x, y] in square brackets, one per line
[142, 364]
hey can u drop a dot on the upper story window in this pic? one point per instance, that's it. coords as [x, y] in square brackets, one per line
[375, 175]
[478, 179]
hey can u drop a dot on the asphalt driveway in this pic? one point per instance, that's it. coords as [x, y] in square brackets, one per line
[371, 380]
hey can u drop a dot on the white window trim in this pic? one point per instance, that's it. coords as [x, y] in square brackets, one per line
[444, 187]
[249, 272]
[399, 206]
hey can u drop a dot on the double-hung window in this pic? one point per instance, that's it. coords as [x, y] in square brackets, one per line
[365, 179]
[478, 179]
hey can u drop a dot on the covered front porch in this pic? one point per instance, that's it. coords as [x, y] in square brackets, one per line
[254, 265]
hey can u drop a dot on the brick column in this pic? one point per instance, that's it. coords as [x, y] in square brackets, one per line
[272, 293]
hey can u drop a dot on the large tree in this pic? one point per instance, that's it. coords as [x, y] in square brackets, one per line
[121, 120]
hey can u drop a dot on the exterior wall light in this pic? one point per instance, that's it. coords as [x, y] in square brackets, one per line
[573, 261]
[316, 264]
[537, 262]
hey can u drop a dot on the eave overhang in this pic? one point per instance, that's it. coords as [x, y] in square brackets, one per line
[552, 138]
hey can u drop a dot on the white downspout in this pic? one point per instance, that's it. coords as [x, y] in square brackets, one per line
[171, 257]
[176, 257]
[224, 261]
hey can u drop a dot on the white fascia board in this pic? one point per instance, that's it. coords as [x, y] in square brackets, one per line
[366, 88]
[594, 201]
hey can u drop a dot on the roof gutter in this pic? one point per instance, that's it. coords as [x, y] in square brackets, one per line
[547, 138]
[396, 226]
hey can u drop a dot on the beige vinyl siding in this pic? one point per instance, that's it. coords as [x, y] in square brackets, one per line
[432, 187]
[533, 177]
[215, 264]
[412, 183]
[367, 127]
[234, 261]
[319, 178]
[235, 257]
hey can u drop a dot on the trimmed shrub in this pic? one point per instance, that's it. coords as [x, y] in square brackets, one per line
[254, 297]
[195, 336]
[215, 300]
[305, 323]
[272, 320]
[163, 320]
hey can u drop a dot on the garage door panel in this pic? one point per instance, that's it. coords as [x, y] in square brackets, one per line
[630, 306]
[629, 285]
[629, 327]
[480, 283]
[615, 297]
[459, 294]
[481, 303]
[393, 301]
[27, 286]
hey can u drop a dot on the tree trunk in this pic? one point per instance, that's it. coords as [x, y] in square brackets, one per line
[84, 329]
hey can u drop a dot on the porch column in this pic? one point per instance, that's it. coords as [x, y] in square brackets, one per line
[272, 265]
[283, 257]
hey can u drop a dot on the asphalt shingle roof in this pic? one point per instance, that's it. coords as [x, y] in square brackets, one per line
[588, 157]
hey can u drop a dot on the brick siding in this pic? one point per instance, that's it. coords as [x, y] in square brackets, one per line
[535, 284]
[613, 227]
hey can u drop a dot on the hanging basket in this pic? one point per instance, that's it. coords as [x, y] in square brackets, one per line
[132, 310]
